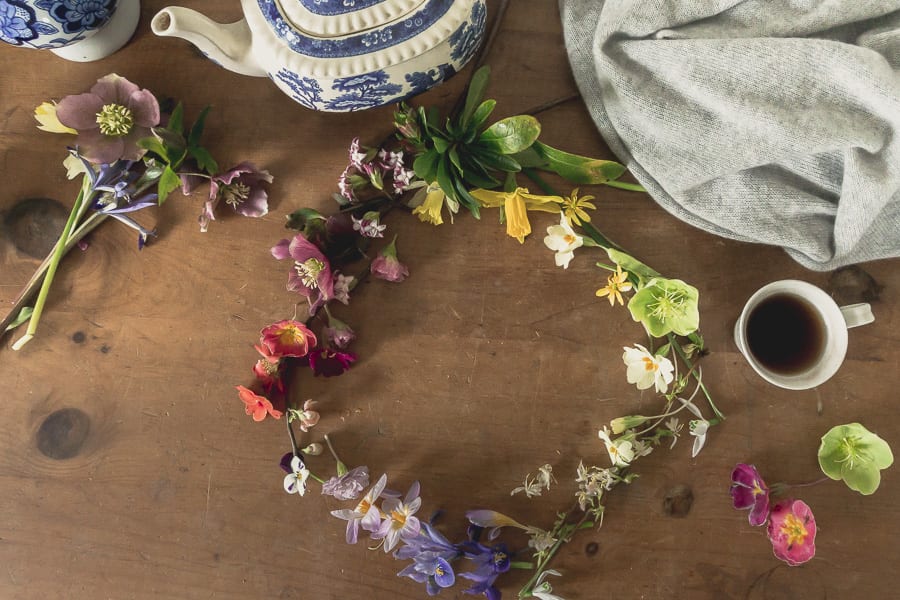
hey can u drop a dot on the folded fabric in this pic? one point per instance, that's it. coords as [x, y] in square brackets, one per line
[771, 121]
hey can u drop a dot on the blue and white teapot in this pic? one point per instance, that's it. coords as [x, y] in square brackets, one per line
[339, 55]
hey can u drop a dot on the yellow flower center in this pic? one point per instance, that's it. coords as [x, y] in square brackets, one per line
[569, 238]
[235, 193]
[291, 335]
[650, 364]
[794, 529]
[399, 518]
[115, 120]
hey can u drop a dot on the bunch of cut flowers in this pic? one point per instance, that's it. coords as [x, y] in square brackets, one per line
[432, 167]
[128, 161]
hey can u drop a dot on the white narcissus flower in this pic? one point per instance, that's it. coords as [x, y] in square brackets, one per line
[647, 370]
[563, 240]
[621, 452]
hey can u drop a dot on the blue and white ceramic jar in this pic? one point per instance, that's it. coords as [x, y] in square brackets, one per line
[339, 55]
[80, 30]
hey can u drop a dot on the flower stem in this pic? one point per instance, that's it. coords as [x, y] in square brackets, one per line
[695, 374]
[622, 185]
[57, 255]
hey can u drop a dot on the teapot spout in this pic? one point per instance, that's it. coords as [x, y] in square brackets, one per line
[227, 44]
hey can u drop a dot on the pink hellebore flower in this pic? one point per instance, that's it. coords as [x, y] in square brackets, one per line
[255, 405]
[287, 338]
[110, 119]
[239, 187]
[387, 267]
[792, 531]
[366, 514]
[311, 275]
[748, 490]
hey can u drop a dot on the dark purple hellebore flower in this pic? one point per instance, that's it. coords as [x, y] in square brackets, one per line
[241, 188]
[110, 119]
[330, 363]
[748, 490]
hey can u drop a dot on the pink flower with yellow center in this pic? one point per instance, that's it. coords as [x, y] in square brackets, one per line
[287, 338]
[255, 405]
[792, 531]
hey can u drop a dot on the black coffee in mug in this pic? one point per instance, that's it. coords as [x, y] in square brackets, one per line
[786, 334]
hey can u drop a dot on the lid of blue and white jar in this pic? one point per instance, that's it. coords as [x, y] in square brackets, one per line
[338, 18]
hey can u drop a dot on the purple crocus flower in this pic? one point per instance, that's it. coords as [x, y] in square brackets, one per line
[349, 485]
[241, 188]
[748, 490]
[431, 554]
[311, 274]
[110, 119]
[366, 514]
[399, 522]
[491, 562]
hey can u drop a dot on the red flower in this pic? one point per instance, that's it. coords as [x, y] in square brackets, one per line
[287, 338]
[330, 363]
[267, 369]
[257, 406]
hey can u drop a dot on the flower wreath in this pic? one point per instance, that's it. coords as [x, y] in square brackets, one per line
[129, 162]
[432, 167]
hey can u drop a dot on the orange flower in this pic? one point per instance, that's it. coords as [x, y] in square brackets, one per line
[287, 338]
[257, 406]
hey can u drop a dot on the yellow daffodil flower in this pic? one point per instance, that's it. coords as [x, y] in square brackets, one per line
[573, 208]
[615, 285]
[46, 116]
[516, 205]
[430, 209]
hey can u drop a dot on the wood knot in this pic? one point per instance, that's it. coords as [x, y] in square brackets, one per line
[678, 501]
[849, 285]
[591, 548]
[62, 434]
[34, 224]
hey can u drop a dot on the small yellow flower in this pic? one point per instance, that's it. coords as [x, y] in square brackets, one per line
[46, 116]
[615, 285]
[430, 209]
[516, 205]
[573, 207]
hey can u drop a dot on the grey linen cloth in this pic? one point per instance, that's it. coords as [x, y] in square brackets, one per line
[771, 121]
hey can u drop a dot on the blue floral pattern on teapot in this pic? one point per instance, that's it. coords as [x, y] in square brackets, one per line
[52, 23]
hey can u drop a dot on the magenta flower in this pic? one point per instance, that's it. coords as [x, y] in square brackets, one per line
[748, 490]
[792, 531]
[110, 119]
[387, 267]
[239, 187]
[330, 363]
[311, 274]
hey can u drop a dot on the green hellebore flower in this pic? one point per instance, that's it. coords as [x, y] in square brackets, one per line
[666, 305]
[853, 453]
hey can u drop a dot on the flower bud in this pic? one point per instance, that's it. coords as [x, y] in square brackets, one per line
[622, 423]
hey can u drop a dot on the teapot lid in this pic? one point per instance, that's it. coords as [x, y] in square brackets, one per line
[337, 18]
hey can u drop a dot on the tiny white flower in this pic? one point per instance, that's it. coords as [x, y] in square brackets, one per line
[675, 427]
[698, 428]
[542, 589]
[534, 487]
[540, 540]
[621, 452]
[295, 481]
[646, 370]
[563, 240]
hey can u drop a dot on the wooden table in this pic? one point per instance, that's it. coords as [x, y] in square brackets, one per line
[128, 468]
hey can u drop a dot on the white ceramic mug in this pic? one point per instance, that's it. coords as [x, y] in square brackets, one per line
[794, 335]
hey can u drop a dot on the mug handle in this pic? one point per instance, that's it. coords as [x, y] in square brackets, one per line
[857, 314]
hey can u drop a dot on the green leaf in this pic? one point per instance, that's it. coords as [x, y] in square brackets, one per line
[481, 114]
[467, 200]
[530, 159]
[176, 120]
[475, 175]
[168, 182]
[512, 134]
[445, 178]
[425, 166]
[21, 318]
[663, 350]
[154, 145]
[497, 162]
[454, 160]
[197, 129]
[440, 144]
[477, 86]
[579, 169]
[632, 265]
[204, 159]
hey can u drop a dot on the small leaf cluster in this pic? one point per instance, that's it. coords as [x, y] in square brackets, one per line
[465, 152]
[173, 144]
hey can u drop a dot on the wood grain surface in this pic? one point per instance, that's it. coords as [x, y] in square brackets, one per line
[128, 468]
